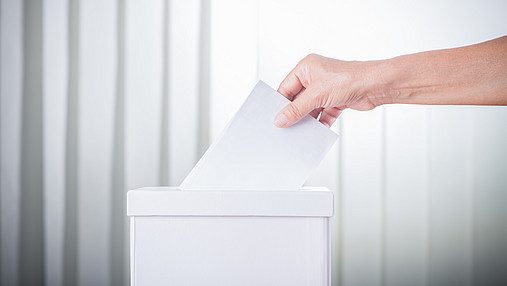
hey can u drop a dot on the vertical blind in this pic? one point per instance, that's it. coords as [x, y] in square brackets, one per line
[101, 96]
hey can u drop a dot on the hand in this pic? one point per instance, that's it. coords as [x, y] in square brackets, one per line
[472, 75]
[325, 86]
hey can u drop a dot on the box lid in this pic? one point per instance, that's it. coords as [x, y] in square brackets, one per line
[172, 201]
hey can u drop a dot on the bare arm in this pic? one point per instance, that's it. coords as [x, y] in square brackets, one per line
[474, 75]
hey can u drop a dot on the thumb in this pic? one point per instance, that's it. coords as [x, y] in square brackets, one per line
[294, 111]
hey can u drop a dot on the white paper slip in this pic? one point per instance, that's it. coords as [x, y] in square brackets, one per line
[253, 154]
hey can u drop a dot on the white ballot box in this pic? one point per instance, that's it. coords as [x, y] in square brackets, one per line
[230, 237]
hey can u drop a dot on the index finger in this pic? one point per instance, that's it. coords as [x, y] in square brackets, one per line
[291, 85]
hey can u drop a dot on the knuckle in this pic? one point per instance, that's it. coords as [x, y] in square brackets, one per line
[293, 112]
[286, 92]
[310, 59]
[314, 63]
[307, 67]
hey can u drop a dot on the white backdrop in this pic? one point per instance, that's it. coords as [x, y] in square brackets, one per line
[101, 96]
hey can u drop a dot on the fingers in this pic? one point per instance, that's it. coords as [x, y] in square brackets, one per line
[292, 84]
[329, 115]
[315, 113]
[292, 113]
[298, 88]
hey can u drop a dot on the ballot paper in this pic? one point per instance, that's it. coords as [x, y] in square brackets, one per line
[253, 154]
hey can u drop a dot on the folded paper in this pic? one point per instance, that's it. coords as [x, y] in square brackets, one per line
[253, 154]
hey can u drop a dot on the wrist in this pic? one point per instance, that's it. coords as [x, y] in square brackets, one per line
[380, 79]
[409, 79]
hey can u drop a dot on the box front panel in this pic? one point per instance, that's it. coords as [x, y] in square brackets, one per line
[230, 251]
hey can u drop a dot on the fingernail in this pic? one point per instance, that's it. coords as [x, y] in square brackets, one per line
[281, 120]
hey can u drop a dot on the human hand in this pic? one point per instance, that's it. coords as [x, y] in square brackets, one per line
[471, 75]
[325, 86]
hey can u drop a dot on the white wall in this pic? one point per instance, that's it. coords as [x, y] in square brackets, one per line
[133, 92]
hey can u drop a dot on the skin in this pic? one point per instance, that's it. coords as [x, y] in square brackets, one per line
[471, 75]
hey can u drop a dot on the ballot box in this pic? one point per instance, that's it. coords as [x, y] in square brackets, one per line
[230, 237]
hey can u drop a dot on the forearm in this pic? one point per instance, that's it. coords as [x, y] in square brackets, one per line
[473, 75]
